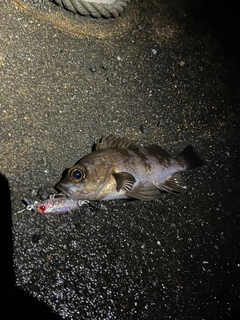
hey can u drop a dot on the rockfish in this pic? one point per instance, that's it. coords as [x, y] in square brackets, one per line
[120, 169]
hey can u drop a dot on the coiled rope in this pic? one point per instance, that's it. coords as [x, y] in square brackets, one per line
[96, 10]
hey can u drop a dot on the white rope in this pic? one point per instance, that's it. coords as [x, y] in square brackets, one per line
[96, 10]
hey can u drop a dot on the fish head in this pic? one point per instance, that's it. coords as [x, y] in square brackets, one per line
[90, 179]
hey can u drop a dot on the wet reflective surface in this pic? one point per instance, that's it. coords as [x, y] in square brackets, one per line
[170, 78]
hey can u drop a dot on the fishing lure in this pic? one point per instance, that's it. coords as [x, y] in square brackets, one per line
[54, 205]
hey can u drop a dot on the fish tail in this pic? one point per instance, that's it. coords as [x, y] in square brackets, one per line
[190, 158]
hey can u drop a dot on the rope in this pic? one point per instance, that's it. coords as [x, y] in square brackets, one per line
[96, 10]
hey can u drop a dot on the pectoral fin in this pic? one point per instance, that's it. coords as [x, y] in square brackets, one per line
[144, 190]
[125, 181]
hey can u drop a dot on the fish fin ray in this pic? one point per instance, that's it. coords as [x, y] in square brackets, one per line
[174, 183]
[110, 142]
[144, 190]
[154, 149]
[124, 180]
[190, 158]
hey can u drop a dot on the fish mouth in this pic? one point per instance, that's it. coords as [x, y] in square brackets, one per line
[61, 189]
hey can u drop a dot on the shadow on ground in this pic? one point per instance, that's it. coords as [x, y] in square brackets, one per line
[14, 301]
[171, 76]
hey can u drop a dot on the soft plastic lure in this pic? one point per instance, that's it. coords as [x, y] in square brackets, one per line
[53, 205]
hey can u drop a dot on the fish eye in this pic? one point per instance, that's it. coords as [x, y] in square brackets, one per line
[77, 174]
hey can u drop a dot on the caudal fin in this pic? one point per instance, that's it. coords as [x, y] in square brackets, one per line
[191, 158]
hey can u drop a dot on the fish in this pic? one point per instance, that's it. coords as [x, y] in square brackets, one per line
[54, 205]
[121, 169]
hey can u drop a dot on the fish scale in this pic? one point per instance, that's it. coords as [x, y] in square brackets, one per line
[120, 169]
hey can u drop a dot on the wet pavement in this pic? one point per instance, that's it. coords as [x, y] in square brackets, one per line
[164, 72]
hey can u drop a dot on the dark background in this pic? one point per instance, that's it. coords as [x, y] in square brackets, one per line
[176, 258]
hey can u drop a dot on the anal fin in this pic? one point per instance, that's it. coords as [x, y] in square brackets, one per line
[174, 183]
[144, 190]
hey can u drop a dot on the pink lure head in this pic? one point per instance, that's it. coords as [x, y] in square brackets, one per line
[41, 208]
[56, 205]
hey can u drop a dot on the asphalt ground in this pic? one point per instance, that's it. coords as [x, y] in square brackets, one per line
[165, 72]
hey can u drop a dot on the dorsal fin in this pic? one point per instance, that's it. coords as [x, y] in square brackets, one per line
[154, 149]
[110, 142]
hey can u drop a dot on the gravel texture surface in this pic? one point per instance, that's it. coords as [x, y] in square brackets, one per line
[165, 72]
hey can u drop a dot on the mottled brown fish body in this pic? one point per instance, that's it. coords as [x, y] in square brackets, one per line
[119, 169]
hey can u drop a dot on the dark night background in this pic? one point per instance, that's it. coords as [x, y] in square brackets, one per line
[178, 258]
